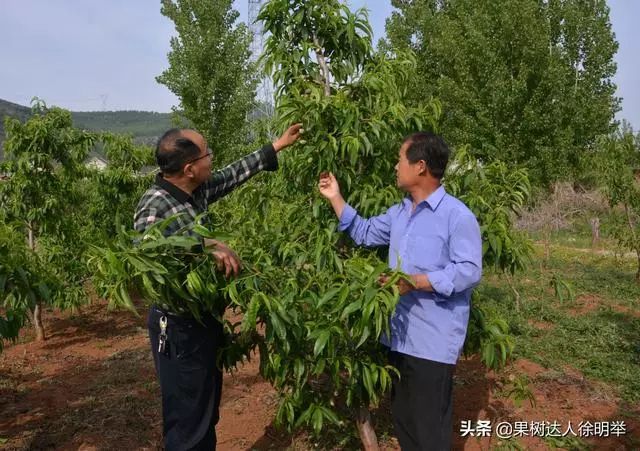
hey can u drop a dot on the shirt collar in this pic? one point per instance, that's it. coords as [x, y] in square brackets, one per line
[436, 197]
[173, 190]
[433, 200]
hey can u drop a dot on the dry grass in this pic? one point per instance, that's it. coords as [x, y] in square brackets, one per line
[557, 210]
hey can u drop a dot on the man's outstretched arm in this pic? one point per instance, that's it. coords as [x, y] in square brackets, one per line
[370, 232]
[225, 180]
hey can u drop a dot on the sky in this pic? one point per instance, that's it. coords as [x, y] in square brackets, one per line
[92, 55]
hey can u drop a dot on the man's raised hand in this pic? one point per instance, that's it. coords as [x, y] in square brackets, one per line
[290, 136]
[328, 185]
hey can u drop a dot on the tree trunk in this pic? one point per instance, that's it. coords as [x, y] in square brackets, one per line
[36, 317]
[365, 429]
[595, 231]
[547, 246]
[516, 294]
[632, 228]
[37, 322]
[324, 69]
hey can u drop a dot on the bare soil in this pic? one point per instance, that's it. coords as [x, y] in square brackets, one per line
[91, 386]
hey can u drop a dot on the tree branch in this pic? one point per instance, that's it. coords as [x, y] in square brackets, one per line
[322, 62]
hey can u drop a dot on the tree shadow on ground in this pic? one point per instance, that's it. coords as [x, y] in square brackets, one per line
[472, 391]
[272, 439]
[108, 405]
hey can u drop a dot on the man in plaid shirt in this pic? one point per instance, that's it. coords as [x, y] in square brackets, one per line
[184, 350]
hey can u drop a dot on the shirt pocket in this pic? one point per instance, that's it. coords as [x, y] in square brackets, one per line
[427, 253]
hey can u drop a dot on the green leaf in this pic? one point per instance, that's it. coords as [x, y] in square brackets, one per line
[321, 342]
[349, 309]
[364, 336]
[317, 420]
[278, 325]
[328, 296]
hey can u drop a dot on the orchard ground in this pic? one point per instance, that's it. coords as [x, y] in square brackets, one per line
[91, 385]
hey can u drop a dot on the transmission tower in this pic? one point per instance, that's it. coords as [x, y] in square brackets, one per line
[264, 91]
[104, 98]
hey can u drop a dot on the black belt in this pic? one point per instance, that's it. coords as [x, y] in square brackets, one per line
[164, 311]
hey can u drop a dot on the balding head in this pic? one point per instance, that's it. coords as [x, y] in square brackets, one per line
[176, 148]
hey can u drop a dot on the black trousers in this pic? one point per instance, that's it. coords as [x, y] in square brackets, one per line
[422, 403]
[190, 382]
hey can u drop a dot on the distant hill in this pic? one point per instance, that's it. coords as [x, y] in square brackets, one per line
[145, 126]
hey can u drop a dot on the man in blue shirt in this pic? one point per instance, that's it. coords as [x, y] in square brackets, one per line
[436, 240]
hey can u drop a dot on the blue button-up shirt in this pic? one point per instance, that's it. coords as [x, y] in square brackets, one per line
[440, 238]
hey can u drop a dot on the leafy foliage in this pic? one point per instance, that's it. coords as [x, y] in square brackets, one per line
[209, 69]
[24, 280]
[495, 193]
[618, 162]
[172, 271]
[528, 83]
[318, 298]
[113, 192]
[488, 334]
[561, 288]
[316, 295]
[57, 205]
[41, 197]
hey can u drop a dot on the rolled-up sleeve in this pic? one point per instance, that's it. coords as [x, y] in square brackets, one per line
[375, 231]
[465, 250]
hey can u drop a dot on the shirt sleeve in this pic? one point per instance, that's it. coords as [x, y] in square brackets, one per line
[465, 250]
[370, 232]
[224, 181]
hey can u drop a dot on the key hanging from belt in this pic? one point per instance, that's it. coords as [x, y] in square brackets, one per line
[162, 338]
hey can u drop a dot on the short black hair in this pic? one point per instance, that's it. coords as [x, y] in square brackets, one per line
[173, 151]
[430, 148]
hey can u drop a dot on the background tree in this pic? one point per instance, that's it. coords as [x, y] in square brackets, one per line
[40, 199]
[209, 70]
[113, 192]
[618, 163]
[522, 81]
[24, 281]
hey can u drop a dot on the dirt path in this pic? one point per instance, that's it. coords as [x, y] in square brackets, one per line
[585, 250]
[92, 386]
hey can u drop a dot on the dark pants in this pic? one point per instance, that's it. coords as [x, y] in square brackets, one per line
[190, 381]
[422, 403]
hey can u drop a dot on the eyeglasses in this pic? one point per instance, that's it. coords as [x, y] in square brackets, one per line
[208, 154]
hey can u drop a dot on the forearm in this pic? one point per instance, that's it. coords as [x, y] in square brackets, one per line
[338, 203]
[227, 179]
[455, 278]
[421, 282]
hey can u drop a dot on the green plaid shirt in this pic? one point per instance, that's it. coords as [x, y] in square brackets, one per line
[164, 199]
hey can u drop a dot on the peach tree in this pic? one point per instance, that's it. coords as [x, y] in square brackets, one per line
[24, 281]
[41, 200]
[315, 296]
[618, 162]
[53, 206]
